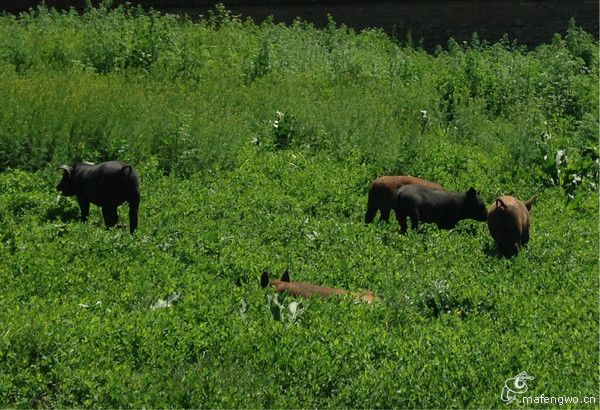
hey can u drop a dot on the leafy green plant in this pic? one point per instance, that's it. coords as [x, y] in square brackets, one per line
[573, 174]
[283, 311]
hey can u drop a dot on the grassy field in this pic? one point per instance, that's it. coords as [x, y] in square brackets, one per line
[256, 145]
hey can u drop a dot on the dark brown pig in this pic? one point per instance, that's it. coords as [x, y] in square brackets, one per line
[308, 290]
[509, 220]
[382, 190]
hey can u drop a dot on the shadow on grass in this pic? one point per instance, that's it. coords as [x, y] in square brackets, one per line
[63, 214]
[491, 250]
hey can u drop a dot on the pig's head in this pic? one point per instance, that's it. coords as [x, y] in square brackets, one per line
[474, 207]
[266, 281]
[65, 186]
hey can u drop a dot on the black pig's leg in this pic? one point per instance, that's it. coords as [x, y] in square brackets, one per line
[385, 213]
[414, 220]
[371, 211]
[110, 215]
[401, 217]
[85, 209]
[133, 214]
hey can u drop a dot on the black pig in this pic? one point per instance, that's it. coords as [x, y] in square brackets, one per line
[107, 185]
[440, 207]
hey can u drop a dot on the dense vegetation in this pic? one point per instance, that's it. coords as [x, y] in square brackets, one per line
[256, 145]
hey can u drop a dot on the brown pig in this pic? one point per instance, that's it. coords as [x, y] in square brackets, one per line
[307, 290]
[508, 221]
[382, 190]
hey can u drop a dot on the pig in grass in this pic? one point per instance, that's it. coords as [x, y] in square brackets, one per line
[307, 290]
[508, 222]
[382, 191]
[107, 185]
[443, 208]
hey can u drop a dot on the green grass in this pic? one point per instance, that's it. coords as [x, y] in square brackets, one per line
[231, 187]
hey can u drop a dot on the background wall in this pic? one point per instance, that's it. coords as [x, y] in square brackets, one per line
[531, 22]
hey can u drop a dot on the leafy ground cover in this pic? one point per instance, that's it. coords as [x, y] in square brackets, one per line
[256, 145]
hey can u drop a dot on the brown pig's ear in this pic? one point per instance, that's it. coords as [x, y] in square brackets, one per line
[530, 202]
[286, 276]
[264, 279]
[66, 169]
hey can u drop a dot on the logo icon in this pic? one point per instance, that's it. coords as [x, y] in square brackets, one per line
[515, 386]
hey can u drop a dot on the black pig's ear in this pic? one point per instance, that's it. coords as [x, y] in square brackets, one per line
[286, 276]
[264, 279]
[66, 169]
[471, 193]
